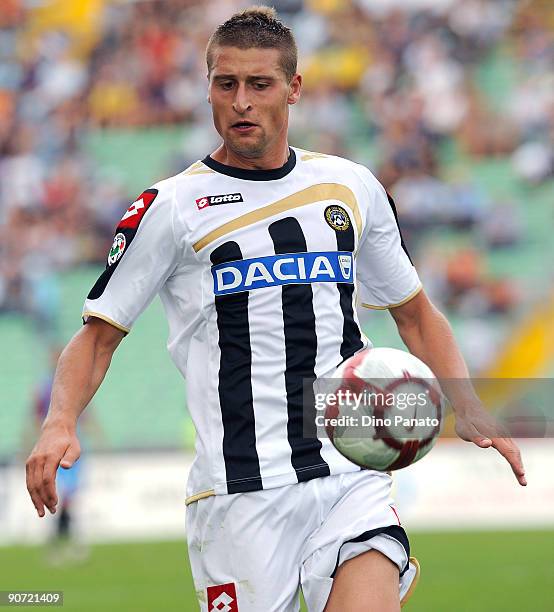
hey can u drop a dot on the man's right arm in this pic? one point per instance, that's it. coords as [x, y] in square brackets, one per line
[80, 371]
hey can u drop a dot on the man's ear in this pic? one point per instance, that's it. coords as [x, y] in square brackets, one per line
[295, 87]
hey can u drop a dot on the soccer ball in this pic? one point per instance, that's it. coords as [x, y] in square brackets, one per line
[383, 409]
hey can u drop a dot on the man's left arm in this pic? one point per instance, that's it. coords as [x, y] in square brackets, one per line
[428, 336]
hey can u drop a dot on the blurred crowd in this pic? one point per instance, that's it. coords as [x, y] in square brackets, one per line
[394, 78]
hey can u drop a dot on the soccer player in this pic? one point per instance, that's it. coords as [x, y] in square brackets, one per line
[254, 252]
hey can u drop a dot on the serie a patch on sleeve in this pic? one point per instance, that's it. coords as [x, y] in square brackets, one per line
[124, 234]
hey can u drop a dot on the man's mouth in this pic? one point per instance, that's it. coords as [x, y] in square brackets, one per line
[243, 126]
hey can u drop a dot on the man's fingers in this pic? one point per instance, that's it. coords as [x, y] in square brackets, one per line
[484, 431]
[49, 484]
[33, 470]
[509, 450]
[42, 465]
[40, 483]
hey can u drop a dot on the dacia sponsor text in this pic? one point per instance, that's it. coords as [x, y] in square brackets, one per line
[285, 269]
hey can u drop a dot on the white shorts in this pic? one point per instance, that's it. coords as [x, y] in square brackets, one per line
[252, 552]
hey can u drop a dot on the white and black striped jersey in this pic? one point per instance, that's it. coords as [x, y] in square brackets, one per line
[258, 272]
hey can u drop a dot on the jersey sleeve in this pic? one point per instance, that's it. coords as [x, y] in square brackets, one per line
[385, 273]
[143, 255]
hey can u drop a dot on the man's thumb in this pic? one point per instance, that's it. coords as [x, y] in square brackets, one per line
[482, 441]
[71, 455]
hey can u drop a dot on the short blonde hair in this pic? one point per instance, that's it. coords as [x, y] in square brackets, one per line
[256, 27]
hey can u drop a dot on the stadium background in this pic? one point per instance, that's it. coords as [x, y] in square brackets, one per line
[451, 104]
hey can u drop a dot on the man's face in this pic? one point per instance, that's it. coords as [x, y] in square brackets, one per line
[250, 94]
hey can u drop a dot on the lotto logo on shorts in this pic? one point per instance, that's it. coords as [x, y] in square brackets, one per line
[222, 598]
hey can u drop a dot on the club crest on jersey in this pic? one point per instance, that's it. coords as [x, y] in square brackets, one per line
[286, 269]
[117, 249]
[337, 218]
[214, 200]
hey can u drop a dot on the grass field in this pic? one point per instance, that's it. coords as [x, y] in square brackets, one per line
[461, 572]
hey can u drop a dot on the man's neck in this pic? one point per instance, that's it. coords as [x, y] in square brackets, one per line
[268, 161]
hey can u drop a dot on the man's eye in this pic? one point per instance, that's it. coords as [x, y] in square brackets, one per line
[226, 85]
[261, 85]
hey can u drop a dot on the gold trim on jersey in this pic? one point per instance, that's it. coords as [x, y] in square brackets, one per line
[197, 168]
[107, 319]
[206, 171]
[307, 155]
[310, 195]
[404, 301]
[198, 496]
[192, 167]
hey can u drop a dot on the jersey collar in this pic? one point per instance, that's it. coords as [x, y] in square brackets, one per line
[253, 175]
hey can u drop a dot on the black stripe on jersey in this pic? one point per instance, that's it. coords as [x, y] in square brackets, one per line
[351, 336]
[242, 466]
[300, 356]
[392, 205]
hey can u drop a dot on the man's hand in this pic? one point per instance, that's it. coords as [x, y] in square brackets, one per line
[57, 445]
[478, 426]
[428, 335]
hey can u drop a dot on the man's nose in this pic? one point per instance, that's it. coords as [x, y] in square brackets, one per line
[241, 103]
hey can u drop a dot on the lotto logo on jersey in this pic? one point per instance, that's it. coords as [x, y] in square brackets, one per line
[137, 210]
[222, 598]
[288, 269]
[226, 198]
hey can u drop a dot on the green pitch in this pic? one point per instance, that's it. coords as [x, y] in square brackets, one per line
[461, 572]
